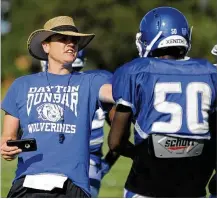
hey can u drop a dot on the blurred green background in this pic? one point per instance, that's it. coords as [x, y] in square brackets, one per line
[115, 23]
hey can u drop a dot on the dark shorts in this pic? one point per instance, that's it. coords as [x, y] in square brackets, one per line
[69, 190]
[170, 177]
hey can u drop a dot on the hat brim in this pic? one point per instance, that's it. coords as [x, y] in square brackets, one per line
[34, 43]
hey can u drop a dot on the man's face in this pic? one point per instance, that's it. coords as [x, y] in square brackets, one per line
[61, 48]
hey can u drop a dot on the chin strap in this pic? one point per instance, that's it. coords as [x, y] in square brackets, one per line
[149, 47]
[190, 38]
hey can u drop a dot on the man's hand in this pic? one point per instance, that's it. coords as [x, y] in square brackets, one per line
[9, 152]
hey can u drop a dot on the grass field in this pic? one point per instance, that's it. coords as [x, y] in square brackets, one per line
[112, 184]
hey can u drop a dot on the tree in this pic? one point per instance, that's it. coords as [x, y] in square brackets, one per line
[115, 24]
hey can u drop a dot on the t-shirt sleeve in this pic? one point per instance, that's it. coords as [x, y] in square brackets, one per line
[98, 81]
[124, 88]
[9, 103]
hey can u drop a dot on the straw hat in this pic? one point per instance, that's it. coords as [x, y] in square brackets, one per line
[59, 25]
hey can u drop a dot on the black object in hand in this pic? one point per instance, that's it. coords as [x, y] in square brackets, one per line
[24, 144]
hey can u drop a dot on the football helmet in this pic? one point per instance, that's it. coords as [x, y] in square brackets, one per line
[163, 27]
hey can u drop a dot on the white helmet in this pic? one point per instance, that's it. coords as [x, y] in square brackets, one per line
[80, 60]
[214, 50]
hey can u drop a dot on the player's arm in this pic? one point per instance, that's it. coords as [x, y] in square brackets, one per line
[119, 134]
[129, 145]
[124, 84]
[112, 156]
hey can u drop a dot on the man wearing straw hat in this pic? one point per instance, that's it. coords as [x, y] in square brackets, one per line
[98, 166]
[56, 108]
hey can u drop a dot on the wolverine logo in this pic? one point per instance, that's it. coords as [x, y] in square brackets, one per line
[50, 112]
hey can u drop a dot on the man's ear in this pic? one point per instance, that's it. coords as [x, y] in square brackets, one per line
[46, 47]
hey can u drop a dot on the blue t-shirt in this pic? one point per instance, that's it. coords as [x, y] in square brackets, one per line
[97, 133]
[48, 105]
[168, 96]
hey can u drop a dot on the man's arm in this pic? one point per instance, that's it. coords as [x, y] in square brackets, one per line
[10, 129]
[105, 94]
[111, 157]
[120, 132]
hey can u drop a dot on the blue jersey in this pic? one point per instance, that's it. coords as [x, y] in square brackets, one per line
[97, 133]
[168, 96]
[48, 105]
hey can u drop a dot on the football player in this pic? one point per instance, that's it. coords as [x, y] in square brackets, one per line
[172, 100]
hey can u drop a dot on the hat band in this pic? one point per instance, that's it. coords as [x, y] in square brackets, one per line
[65, 28]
